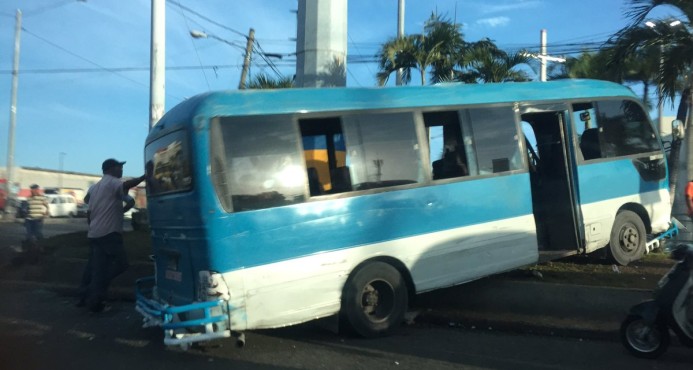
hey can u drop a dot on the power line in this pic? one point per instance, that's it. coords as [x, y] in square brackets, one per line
[43, 9]
[118, 69]
[195, 48]
[90, 62]
[263, 55]
[208, 19]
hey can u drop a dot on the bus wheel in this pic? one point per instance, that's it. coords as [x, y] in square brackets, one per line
[374, 299]
[628, 238]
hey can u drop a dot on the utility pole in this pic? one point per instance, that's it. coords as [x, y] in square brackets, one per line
[246, 60]
[542, 72]
[157, 63]
[400, 34]
[13, 113]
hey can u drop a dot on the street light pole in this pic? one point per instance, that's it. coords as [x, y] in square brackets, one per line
[157, 63]
[542, 71]
[400, 34]
[13, 111]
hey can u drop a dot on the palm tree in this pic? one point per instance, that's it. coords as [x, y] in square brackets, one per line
[483, 61]
[451, 40]
[414, 51]
[264, 81]
[676, 45]
[398, 53]
[434, 49]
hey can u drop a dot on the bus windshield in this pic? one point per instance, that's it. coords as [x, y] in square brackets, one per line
[168, 164]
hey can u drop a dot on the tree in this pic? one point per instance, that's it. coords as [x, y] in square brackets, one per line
[434, 49]
[483, 61]
[264, 81]
[408, 52]
[442, 50]
[451, 40]
[676, 46]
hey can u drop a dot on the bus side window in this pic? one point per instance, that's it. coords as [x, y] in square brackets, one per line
[495, 139]
[383, 150]
[324, 151]
[445, 145]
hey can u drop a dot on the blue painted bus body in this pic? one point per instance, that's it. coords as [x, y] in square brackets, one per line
[194, 229]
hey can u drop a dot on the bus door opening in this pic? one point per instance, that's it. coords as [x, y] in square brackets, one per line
[550, 170]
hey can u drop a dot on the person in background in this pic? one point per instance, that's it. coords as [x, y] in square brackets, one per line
[689, 198]
[107, 258]
[37, 210]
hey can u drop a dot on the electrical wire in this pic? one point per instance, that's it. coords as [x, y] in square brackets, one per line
[197, 54]
[209, 19]
[92, 62]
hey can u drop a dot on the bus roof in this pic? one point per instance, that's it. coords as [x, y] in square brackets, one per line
[311, 100]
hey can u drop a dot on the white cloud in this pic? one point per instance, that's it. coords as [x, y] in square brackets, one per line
[493, 22]
[504, 7]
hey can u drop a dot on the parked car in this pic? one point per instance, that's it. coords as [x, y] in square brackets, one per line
[61, 205]
[82, 210]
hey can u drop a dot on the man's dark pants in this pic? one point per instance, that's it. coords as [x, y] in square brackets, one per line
[34, 228]
[107, 259]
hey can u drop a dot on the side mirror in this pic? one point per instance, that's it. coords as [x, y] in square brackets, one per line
[677, 129]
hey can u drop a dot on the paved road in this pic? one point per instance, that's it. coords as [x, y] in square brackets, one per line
[40, 329]
[13, 232]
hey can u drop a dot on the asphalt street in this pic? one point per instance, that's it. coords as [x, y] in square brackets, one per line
[41, 329]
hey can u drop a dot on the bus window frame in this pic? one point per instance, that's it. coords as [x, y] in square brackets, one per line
[580, 158]
[187, 142]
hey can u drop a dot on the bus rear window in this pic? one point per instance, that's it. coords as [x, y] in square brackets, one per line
[168, 164]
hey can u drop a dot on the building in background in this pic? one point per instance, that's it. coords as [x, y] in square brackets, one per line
[74, 183]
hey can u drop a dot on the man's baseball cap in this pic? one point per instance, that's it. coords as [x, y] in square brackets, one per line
[34, 186]
[110, 163]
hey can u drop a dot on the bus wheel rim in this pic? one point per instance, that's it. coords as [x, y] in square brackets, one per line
[629, 237]
[378, 300]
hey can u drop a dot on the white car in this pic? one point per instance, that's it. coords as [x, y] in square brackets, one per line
[61, 205]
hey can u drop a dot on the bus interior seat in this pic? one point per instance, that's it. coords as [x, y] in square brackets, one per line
[589, 144]
[341, 179]
[314, 182]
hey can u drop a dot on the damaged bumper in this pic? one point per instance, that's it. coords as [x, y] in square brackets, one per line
[185, 324]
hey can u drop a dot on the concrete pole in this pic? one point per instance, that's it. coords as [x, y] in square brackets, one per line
[542, 58]
[157, 63]
[13, 113]
[400, 34]
[246, 60]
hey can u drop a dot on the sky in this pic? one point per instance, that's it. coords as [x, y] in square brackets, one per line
[83, 90]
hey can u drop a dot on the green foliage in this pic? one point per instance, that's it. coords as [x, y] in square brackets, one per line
[264, 81]
[442, 51]
[644, 44]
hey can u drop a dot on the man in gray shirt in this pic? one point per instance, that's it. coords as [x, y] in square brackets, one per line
[107, 258]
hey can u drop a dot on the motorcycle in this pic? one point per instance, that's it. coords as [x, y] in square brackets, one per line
[645, 331]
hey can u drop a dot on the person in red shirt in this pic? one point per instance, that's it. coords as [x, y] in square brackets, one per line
[689, 198]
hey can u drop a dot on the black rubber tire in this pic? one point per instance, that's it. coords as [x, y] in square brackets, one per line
[374, 300]
[628, 238]
[653, 346]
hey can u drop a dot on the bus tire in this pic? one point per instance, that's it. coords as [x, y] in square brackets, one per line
[628, 238]
[374, 300]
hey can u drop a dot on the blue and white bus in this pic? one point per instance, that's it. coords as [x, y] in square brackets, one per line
[275, 207]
